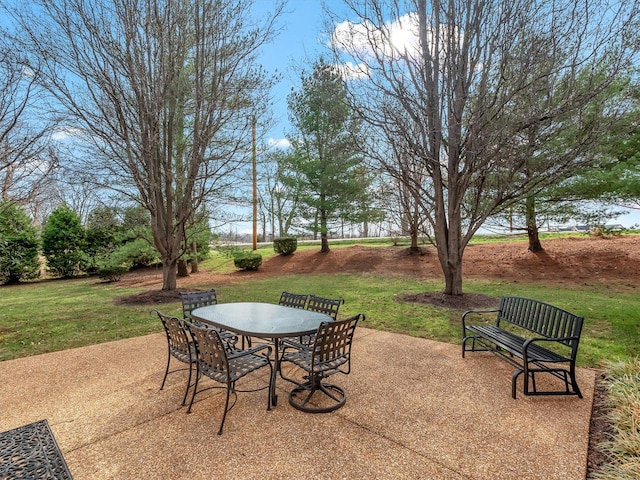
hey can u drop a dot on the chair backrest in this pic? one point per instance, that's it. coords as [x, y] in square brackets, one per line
[328, 306]
[193, 300]
[332, 345]
[176, 336]
[294, 300]
[210, 350]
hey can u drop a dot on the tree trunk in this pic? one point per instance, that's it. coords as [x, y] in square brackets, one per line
[414, 241]
[194, 257]
[315, 226]
[534, 240]
[325, 243]
[453, 279]
[183, 271]
[323, 232]
[169, 277]
[532, 225]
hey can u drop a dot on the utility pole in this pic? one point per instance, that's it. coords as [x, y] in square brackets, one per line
[255, 186]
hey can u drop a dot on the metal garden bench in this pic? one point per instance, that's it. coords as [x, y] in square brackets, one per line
[535, 337]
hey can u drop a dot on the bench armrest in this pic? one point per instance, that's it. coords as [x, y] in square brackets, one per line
[464, 315]
[526, 344]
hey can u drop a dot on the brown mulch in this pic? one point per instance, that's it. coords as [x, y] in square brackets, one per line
[458, 302]
[608, 261]
[150, 297]
[600, 428]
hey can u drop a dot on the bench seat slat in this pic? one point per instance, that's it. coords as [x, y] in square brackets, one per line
[514, 344]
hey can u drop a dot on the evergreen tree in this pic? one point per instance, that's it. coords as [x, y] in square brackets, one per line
[18, 245]
[325, 153]
[63, 242]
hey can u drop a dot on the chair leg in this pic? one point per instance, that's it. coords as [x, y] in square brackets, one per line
[186, 391]
[335, 393]
[195, 389]
[166, 370]
[226, 408]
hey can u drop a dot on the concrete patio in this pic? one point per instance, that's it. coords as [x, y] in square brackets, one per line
[415, 410]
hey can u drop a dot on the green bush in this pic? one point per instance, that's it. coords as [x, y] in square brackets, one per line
[138, 253]
[112, 273]
[19, 244]
[285, 245]
[63, 242]
[247, 260]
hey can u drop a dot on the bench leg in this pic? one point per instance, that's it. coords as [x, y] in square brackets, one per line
[574, 383]
[514, 382]
[464, 344]
[569, 378]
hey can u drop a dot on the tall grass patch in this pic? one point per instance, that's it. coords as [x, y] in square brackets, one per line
[623, 400]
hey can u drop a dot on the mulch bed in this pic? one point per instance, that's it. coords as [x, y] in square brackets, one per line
[458, 302]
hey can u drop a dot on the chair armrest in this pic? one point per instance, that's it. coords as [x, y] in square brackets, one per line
[287, 342]
[249, 351]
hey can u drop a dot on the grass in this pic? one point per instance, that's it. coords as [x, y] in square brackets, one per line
[623, 401]
[53, 315]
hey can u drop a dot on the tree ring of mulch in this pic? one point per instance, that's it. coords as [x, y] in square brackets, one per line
[150, 297]
[458, 302]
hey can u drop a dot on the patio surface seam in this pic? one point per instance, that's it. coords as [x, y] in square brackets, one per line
[405, 446]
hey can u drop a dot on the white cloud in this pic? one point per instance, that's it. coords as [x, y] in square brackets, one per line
[351, 71]
[279, 143]
[64, 133]
[399, 37]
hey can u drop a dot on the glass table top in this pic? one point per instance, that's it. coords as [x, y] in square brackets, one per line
[260, 319]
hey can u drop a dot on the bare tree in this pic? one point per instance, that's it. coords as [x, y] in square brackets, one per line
[460, 83]
[162, 90]
[26, 154]
[279, 192]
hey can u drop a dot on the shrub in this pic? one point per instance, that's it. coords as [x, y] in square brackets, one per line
[138, 253]
[247, 260]
[285, 245]
[63, 242]
[18, 245]
[112, 273]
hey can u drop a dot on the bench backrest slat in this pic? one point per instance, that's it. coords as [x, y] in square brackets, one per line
[541, 318]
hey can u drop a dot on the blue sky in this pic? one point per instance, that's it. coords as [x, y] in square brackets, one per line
[299, 41]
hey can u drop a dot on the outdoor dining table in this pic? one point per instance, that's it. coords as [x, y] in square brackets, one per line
[262, 320]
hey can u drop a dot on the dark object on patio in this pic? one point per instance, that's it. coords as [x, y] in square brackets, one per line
[550, 325]
[31, 452]
[193, 300]
[293, 300]
[329, 306]
[221, 365]
[180, 347]
[330, 353]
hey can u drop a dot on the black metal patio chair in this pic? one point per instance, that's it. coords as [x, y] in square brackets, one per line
[329, 354]
[293, 300]
[179, 346]
[193, 300]
[225, 366]
[329, 306]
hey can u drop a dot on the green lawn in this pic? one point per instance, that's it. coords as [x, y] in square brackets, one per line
[58, 314]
